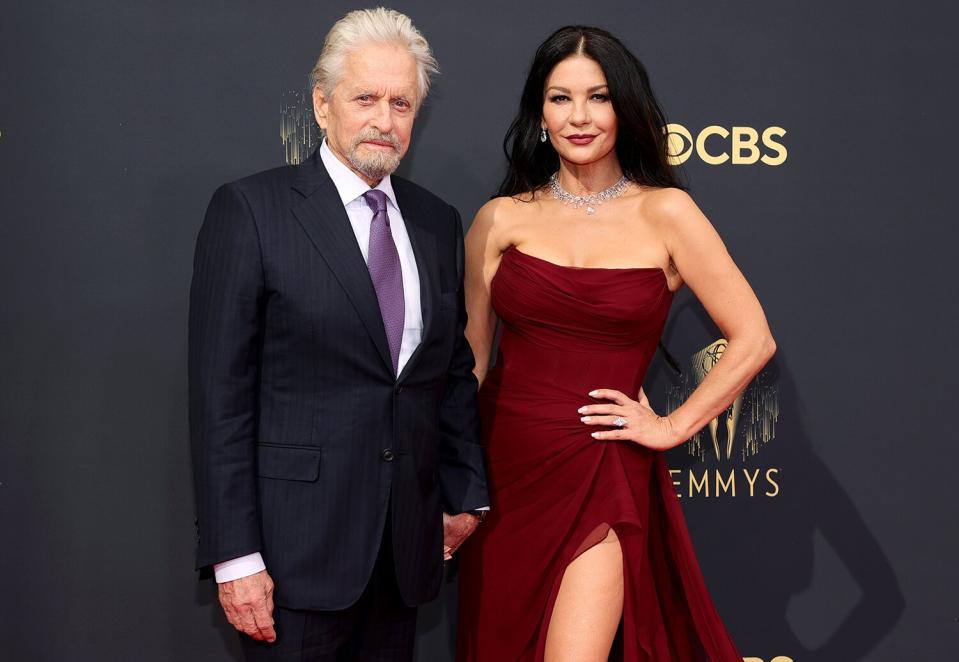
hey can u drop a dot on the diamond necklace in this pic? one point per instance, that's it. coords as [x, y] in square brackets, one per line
[588, 200]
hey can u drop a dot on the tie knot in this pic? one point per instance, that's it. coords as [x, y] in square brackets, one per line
[376, 200]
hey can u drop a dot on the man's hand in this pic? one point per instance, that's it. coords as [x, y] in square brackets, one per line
[456, 529]
[248, 605]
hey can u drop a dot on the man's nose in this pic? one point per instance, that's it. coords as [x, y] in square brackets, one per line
[383, 117]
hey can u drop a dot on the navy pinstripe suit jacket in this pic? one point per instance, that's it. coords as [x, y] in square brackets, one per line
[301, 434]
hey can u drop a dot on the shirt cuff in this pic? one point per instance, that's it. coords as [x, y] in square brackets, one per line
[238, 568]
[483, 508]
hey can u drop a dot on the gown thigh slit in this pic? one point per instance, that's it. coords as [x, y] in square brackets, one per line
[556, 491]
[594, 538]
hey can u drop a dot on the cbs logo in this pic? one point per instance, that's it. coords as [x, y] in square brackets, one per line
[716, 145]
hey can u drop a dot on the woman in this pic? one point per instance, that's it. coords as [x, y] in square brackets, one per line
[585, 550]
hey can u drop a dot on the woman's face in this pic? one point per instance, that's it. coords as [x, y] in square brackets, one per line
[577, 112]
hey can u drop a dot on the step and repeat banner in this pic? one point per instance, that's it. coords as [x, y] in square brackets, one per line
[818, 140]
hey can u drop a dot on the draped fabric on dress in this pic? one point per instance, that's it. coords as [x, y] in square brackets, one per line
[556, 491]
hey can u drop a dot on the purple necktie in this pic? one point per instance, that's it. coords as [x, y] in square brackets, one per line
[383, 262]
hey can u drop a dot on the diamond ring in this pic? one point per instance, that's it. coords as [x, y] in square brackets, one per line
[620, 422]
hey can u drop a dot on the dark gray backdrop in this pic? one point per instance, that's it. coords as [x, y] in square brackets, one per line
[118, 119]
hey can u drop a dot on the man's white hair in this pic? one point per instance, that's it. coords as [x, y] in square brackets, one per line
[364, 26]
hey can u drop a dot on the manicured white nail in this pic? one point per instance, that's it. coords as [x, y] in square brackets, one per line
[585, 419]
[582, 410]
[592, 394]
[594, 435]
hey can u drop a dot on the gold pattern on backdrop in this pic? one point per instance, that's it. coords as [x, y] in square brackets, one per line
[734, 437]
[754, 412]
[298, 131]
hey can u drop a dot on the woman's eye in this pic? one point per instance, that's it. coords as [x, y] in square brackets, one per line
[601, 97]
[559, 97]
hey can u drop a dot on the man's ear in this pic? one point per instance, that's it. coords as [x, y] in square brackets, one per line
[321, 107]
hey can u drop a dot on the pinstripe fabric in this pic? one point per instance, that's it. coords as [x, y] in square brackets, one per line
[378, 627]
[293, 401]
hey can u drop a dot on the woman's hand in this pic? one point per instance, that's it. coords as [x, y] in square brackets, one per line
[635, 421]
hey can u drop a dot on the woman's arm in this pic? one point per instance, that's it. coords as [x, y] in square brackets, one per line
[483, 254]
[701, 258]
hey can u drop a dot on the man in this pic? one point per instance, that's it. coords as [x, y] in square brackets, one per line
[332, 399]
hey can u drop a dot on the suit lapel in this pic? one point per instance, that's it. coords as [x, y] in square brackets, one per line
[324, 219]
[423, 241]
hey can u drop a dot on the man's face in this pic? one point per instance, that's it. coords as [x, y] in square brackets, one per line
[369, 118]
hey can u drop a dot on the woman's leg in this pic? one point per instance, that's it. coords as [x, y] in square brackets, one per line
[589, 605]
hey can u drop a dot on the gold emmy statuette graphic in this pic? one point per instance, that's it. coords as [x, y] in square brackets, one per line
[752, 415]
[703, 362]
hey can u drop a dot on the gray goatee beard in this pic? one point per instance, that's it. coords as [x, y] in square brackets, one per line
[375, 165]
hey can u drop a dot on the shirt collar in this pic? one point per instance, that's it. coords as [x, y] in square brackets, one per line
[348, 184]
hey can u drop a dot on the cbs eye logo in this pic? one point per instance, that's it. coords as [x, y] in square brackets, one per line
[716, 145]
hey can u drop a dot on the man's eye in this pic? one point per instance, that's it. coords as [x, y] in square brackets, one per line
[402, 104]
[364, 98]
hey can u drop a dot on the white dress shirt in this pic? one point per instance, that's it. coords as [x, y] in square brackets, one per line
[351, 189]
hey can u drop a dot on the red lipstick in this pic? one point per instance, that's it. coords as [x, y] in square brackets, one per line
[581, 138]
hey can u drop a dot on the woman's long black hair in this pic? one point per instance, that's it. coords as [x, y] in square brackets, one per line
[641, 143]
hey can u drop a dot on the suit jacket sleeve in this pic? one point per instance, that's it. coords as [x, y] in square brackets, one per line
[225, 328]
[462, 464]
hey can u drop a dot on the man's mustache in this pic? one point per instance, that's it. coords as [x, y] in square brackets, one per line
[379, 137]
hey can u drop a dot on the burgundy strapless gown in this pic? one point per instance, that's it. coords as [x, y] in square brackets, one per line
[556, 491]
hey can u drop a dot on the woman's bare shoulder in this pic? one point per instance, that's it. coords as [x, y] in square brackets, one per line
[501, 215]
[664, 203]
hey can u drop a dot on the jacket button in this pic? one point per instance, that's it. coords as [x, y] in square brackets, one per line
[398, 389]
[387, 455]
